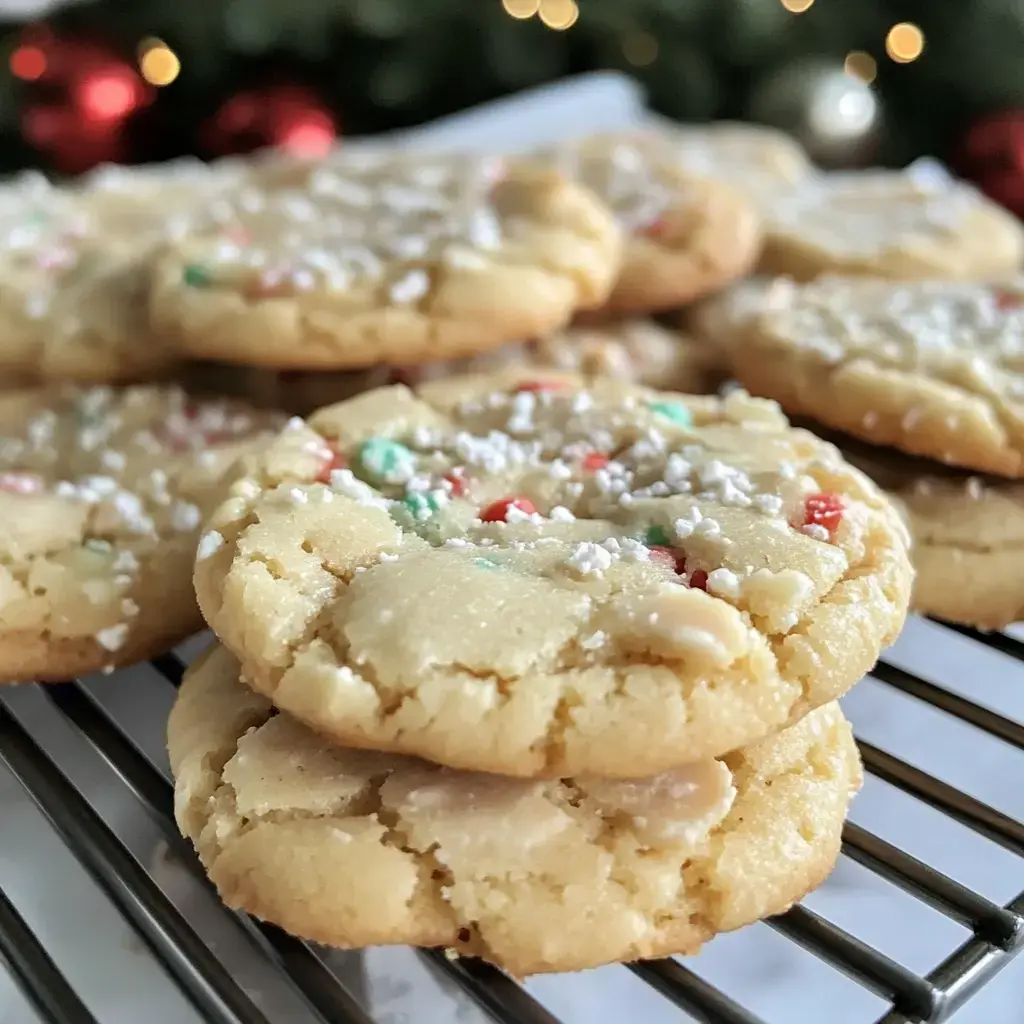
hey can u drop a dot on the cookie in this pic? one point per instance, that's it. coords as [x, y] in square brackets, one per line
[967, 534]
[639, 351]
[384, 258]
[101, 497]
[685, 235]
[352, 848]
[544, 578]
[889, 224]
[75, 266]
[932, 368]
[753, 158]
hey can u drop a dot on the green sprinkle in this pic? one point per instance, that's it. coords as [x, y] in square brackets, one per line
[486, 563]
[380, 460]
[101, 546]
[421, 506]
[674, 411]
[657, 537]
[196, 276]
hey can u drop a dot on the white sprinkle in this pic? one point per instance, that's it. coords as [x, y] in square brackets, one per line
[388, 556]
[769, 504]
[112, 638]
[589, 559]
[560, 514]
[185, 516]
[594, 641]
[816, 531]
[410, 288]
[209, 543]
[724, 583]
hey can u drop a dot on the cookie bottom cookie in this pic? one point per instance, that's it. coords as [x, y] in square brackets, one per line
[968, 536]
[352, 848]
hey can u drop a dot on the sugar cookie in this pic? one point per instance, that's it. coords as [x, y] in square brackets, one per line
[546, 578]
[351, 848]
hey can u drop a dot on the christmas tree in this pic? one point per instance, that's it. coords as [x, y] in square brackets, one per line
[153, 79]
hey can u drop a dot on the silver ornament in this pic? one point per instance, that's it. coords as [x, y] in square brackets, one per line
[836, 116]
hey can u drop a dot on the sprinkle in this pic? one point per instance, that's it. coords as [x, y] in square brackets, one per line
[589, 559]
[1008, 300]
[421, 506]
[560, 514]
[196, 276]
[824, 510]
[458, 481]
[21, 483]
[540, 385]
[656, 536]
[497, 511]
[699, 580]
[670, 557]
[208, 545]
[723, 583]
[485, 563]
[594, 641]
[386, 461]
[333, 459]
[411, 287]
[112, 638]
[594, 461]
[674, 411]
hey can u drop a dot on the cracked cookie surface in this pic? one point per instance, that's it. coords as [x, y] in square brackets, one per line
[370, 258]
[685, 235]
[353, 848]
[932, 368]
[102, 493]
[545, 578]
[894, 224]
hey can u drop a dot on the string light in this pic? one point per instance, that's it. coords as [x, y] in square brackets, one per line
[28, 63]
[861, 65]
[640, 49]
[904, 43]
[559, 14]
[797, 6]
[521, 9]
[158, 63]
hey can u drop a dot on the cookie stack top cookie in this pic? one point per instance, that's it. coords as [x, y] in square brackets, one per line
[543, 578]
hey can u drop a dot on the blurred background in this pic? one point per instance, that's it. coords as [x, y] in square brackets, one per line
[858, 81]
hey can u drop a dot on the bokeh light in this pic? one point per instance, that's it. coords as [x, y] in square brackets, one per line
[158, 63]
[861, 65]
[28, 63]
[904, 43]
[559, 14]
[521, 9]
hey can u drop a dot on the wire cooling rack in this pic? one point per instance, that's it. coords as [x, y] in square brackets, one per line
[90, 756]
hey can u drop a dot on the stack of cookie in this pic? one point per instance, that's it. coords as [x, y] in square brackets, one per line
[900, 323]
[543, 670]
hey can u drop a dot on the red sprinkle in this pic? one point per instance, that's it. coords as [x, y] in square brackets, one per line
[670, 557]
[699, 579]
[497, 511]
[457, 481]
[656, 229]
[1009, 300]
[540, 385]
[595, 461]
[337, 461]
[20, 483]
[823, 510]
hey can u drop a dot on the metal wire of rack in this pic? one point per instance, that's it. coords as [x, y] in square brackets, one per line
[235, 971]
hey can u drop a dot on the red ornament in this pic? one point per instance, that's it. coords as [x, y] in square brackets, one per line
[991, 155]
[288, 117]
[824, 510]
[497, 511]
